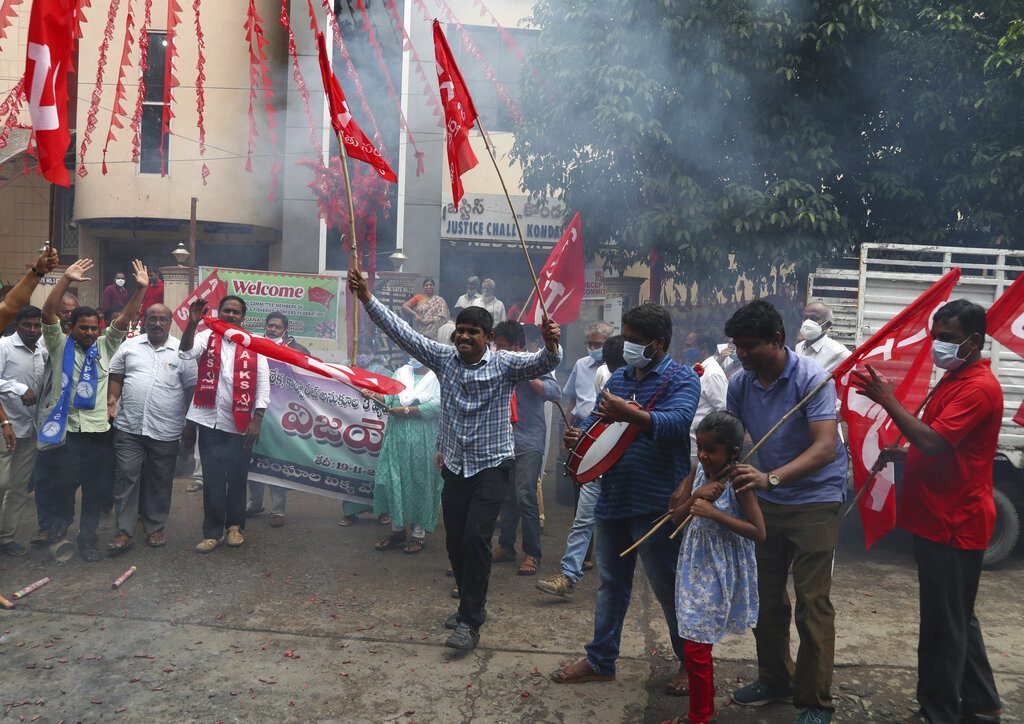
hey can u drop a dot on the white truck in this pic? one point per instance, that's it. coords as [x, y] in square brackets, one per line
[891, 276]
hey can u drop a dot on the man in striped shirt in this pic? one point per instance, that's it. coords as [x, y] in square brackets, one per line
[637, 488]
[474, 437]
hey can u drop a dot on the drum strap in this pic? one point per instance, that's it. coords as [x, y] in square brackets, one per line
[661, 387]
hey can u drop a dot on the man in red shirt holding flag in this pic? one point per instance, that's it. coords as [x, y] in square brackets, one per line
[947, 505]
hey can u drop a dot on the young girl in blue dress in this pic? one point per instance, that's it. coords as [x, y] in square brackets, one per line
[716, 572]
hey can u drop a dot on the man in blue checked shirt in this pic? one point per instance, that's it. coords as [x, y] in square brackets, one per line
[637, 488]
[474, 437]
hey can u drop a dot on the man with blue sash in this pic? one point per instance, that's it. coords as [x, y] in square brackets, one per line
[75, 419]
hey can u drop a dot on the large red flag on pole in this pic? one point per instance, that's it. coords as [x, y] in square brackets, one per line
[51, 39]
[900, 350]
[1005, 324]
[459, 113]
[562, 278]
[357, 145]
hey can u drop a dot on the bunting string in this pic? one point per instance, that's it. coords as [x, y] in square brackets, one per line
[428, 91]
[7, 14]
[117, 111]
[97, 89]
[136, 124]
[170, 80]
[510, 43]
[201, 89]
[379, 54]
[300, 82]
[10, 109]
[80, 16]
[259, 73]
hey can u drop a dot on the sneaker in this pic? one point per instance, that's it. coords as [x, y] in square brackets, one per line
[276, 521]
[452, 621]
[759, 694]
[235, 538]
[559, 585]
[463, 638]
[206, 545]
[14, 549]
[813, 716]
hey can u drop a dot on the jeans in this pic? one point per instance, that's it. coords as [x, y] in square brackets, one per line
[278, 496]
[521, 503]
[658, 554]
[145, 468]
[470, 507]
[581, 533]
[80, 463]
[225, 468]
[15, 474]
[952, 666]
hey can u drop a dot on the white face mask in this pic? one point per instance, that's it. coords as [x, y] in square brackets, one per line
[489, 293]
[635, 354]
[119, 282]
[811, 330]
[946, 355]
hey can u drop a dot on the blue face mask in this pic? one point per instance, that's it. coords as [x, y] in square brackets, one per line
[635, 354]
[596, 354]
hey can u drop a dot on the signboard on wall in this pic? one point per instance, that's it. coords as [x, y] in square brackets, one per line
[487, 218]
[593, 283]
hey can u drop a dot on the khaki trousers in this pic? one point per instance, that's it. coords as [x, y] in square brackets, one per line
[802, 537]
[15, 474]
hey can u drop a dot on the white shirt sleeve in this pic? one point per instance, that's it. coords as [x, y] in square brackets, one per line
[262, 401]
[13, 386]
[198, 346]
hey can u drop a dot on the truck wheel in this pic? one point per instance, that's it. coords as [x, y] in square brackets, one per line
[1004, 536]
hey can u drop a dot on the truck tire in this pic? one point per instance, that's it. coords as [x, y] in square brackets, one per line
[1004, 536]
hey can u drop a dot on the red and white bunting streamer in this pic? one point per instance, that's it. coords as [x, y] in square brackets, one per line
[258, 73]
[10, 109]
[170, 80]
[379, 53]
[80, 16]
[7, 14]
[200, 88]
[117, 111]
[510, 43]
[428, 91]
[97, 89]
[474, 51]
[143, 65]
[300, 82]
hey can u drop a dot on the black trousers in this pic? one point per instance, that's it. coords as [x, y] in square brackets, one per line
[225, 470]
[470, 507]
[952, 666]
[79, 463]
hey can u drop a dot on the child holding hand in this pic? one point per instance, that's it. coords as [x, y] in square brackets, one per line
[716, 572]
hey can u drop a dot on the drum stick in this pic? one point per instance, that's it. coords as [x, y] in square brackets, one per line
[657, 524]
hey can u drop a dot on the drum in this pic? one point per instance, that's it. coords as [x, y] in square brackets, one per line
[600, 447]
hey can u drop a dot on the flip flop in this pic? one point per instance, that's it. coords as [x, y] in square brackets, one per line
[120, 544]
[678, 685]
[392, 540]
[414, 546]
[156, 540]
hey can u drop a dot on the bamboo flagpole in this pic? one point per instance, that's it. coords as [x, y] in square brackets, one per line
[353, 245]
[515, 218]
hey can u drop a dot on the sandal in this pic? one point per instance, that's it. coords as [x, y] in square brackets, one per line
[528, 567]
[578, 673]
[121, 543]
[384, 519]
[194, 488]
[678, 685]
[414, 546]
[347, 521]
[391, 540]
[156, 539]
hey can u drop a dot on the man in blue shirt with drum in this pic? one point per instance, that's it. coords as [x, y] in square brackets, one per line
[637, 488]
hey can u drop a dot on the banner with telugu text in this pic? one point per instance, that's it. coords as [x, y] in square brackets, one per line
[319, 436]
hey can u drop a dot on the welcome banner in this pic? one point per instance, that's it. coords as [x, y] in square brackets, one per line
[319, 436]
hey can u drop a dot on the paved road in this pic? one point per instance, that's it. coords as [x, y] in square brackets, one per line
[307, 623]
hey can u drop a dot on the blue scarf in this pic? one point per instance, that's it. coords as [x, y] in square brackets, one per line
[52, 431]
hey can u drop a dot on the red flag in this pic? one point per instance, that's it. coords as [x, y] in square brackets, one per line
[212, 289]
[357, 145]
[1005, 323]
[355, 376]
[900, 350]
[561, 279]
[51, 38]
[459, 113]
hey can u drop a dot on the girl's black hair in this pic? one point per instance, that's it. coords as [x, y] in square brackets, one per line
[725, 426]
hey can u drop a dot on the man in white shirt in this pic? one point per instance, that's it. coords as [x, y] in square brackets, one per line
[154, 386]
[22, 365]
[467, 299]
[488, 301]
[713, 386]
[232, 394]
[579, 388]
[816, 344]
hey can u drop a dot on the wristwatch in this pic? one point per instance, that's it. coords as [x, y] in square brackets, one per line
[773, 481]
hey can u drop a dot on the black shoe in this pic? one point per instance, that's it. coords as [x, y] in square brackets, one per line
[253, 512]
[463, 638]
[90, 554]
[452, 622]
[14, 549]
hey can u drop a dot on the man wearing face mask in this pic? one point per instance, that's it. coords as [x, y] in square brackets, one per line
[579, 388]
[638, 487]
[488, 301]
[817, 345]
[114, 295]
[471, 295]
[946, 504]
